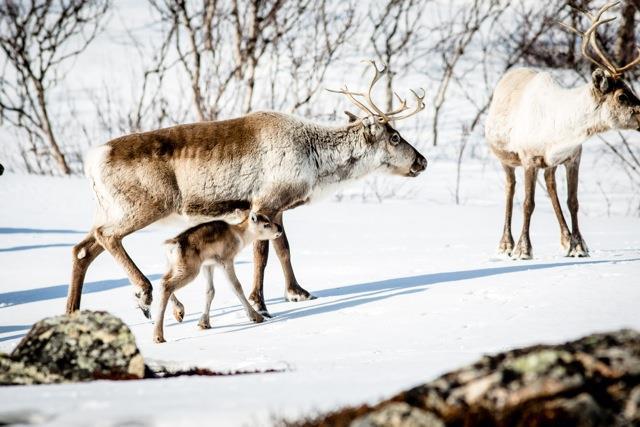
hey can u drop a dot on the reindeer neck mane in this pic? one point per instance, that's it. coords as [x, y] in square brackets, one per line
[341, 153]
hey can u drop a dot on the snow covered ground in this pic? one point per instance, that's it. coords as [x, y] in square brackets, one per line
[407, 290]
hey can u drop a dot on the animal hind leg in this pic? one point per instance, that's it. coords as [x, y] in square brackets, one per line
[205, 321]
[84, 253]
[178, 308]
[171, 282]
[110, 237]
[565, 235]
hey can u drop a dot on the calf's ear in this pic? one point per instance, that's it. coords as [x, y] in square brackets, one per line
[253, 217]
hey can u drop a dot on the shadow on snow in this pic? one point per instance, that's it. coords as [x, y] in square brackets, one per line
[366, 292]
[11, 230]
[60, 291]
[29, 247]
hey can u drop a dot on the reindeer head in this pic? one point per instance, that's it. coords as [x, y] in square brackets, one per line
[397, 156]
[263, 228]
[619, 104]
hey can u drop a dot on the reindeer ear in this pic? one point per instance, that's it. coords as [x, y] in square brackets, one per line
[352, 117]
[602, 81]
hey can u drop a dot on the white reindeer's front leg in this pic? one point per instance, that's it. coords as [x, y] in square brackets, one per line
[577, 246]
[523, 248]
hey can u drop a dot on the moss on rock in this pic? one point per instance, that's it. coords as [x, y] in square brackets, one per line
[83, 346]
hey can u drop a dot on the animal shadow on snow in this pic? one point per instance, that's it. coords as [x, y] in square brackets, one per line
[364, 293]
[30, 247]
[13, 230]
[60, 291]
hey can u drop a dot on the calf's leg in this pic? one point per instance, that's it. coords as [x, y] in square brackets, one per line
[205, 322]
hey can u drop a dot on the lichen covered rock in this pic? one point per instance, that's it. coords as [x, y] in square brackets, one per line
[398, 415]
[83, 346]
[594, 381]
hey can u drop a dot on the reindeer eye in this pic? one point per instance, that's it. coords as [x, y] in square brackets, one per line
[395, 138]
[623, 98]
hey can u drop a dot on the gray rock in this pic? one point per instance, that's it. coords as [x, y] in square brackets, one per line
[590, 382]
[398, 415]
[83, 346]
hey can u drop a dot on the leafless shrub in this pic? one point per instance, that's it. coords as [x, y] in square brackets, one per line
[36, 40]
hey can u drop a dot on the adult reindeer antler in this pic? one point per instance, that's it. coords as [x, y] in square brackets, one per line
[589, 39]
[370, 108]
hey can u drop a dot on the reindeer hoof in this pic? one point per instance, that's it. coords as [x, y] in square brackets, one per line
[256, 317]
[204, 324]
[297, 294]
[144, 302]
[505, 253]
[158, 339]
[578, 252]
[178, 313]
[522, 250]
[506, 248]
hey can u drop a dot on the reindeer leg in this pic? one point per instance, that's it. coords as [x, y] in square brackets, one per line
[178, 308]
[523, 248]
[506, 243]
[237, 289]
[293, 292]
[110, 237]
[260, 257]
[178, 277]
[205, 321]
[565, 235]
[83, 255]
[577, 246]
[158, 329]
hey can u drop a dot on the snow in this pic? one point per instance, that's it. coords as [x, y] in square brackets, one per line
[406, 291]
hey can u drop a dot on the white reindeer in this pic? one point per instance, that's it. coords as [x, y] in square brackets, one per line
[535, 123]
[265, 161]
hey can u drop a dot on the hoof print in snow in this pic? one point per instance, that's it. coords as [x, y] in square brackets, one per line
[594, 381]
[83, 346]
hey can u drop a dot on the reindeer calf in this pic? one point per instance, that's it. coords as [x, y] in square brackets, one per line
[209, 244]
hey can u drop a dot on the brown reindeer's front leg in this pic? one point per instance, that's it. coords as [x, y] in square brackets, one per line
[523, 248]
[293, 292]
[577, 247]
[260, 257]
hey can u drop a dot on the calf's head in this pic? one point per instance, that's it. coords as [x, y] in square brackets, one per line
[263, 228]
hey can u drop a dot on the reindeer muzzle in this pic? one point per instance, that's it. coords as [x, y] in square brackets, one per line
[419, 165]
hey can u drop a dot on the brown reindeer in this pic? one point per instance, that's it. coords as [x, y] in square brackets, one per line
[210, 244]
[265, 161]
[535, 123]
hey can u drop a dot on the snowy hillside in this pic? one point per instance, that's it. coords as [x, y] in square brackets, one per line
[406, 290]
